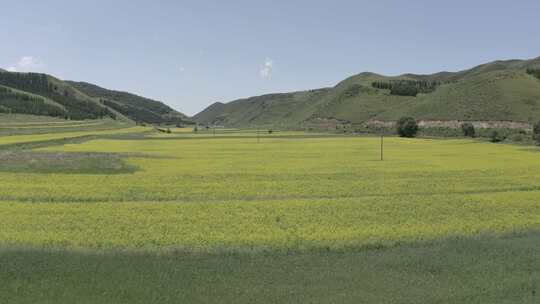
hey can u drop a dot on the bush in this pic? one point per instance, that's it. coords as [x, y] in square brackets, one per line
[495, 136]
[534, 72]
[468, 129]
[536, 132]
[517, 137]
[407, 127]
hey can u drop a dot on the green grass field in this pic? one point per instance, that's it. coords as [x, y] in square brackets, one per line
[291, 217]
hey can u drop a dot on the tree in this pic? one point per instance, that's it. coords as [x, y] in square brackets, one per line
[536, 133]
[534, 72]
[407, 127]
[495, 136]
[404, 89]
[468, 129]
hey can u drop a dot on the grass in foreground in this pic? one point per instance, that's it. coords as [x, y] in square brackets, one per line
[477, 270]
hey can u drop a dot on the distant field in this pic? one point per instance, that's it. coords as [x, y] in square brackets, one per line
[18, 139]
[20, 124]
[288, 217]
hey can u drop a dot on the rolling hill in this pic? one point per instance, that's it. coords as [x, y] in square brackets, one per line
[497, 91]
[42, 94]
[135, 107]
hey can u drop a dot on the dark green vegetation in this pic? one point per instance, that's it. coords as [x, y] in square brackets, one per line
[12, 101]
[41, 94]
[407, 87]
[468, 129]
[495, 136]
[534, 71]
[536, 132]
[59, 162]
[135, 107]
[407, 127]
[496, 91]
[482, 269]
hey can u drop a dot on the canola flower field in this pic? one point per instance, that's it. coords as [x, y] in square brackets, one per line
[239, 192]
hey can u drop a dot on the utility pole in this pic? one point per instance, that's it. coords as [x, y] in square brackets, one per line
[382, 147]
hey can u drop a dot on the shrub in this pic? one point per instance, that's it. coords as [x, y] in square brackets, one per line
[468, 129]
[536, 132]
[517, 137]
[407, 127]
[168, 130]
[535, 72]
[495, 136]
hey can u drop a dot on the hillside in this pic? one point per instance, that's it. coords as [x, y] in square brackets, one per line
[45, 95]
[274, 109]
[41, 94]
[500, 90]
[135, 107]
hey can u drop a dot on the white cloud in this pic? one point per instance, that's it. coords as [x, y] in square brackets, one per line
[266, 69]
[182, 69]
[27, 64]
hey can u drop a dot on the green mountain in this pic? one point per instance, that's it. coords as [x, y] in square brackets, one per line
[500, 90]
[133, 106]
[42, 94]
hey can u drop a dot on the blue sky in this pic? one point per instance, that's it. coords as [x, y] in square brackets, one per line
[190, 54]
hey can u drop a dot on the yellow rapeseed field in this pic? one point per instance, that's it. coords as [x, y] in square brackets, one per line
[211, 194]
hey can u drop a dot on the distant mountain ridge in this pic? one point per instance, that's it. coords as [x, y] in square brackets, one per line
[506, 90]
